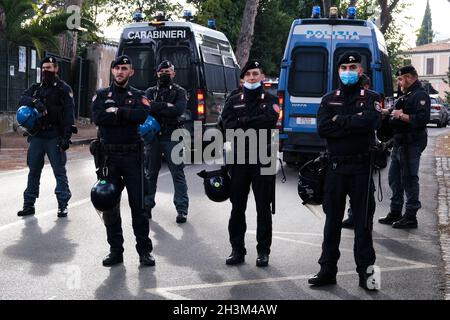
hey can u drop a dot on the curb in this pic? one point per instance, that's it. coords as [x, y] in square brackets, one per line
[443, 179]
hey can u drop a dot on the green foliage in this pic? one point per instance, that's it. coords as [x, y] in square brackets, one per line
[121, 11]
[425, 34]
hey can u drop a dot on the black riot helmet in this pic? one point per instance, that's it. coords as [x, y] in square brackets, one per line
[217, 184]
[311, 178]
[106, 192]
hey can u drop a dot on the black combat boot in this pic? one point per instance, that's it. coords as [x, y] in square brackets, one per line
[391, 217]
[262, 260]
[182, 217]
[26, 211]
[322, 279]
[112, 259]
[406, 222]
[146, 259]
[62, 212]
[236, 257]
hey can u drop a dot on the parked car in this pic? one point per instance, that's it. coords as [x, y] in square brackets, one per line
[438, 112]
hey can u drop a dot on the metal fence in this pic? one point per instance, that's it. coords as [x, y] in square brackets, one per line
[20, 68]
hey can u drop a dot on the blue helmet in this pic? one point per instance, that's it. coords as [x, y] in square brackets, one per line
[149, 129]
[27, 117]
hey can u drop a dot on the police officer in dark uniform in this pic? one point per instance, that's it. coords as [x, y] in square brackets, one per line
[251, 109]
[118, 111]
[408, 120]
[53, 98]
[347, 119]
[168, 104]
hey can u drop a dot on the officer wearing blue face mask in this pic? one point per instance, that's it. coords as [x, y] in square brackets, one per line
[347, 119]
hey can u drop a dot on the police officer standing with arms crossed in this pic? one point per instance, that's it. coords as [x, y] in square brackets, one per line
[118, 111]
[251, 109]
[347, 119]
[168, 104]
[408, 120]
[53, 98]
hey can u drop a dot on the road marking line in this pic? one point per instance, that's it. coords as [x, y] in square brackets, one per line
[267, 280]
[412, 262]
[348, 236]
[70, 206]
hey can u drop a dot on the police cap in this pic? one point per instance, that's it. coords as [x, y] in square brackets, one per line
[49, 60]
[349, 57]
[165, 64]
[253, 64]
[405, 70]
[124, 59]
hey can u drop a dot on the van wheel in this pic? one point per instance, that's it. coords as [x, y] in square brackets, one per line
[291, 164]
[439, 125]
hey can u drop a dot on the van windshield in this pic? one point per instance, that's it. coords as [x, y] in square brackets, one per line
[143, 59]
[181, 59]
[308, 74]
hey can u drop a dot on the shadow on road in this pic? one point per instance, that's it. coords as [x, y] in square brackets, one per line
[42, 250]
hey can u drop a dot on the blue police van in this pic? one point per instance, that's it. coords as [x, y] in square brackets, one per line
[204, 61]
[309, 71]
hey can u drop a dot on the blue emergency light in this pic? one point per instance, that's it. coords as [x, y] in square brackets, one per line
[212, 24]
[315, 12]
[187, 15]
[351, 13]
[137, 16]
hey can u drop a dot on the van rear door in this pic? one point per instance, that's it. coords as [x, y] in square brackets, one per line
[307, 82]
[143, 57]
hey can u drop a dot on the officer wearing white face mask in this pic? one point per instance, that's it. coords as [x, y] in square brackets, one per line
[251, 109]
[347, 119]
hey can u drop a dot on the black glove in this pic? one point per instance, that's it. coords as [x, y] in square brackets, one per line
[40, 107]
[64, 144]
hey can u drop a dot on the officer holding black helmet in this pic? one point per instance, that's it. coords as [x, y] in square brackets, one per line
[253, 109]
[168, 104]
[408, 120]
[347, 119]
[53, 99]
[118, 111]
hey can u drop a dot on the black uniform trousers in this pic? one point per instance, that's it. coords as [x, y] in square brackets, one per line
[127, 165]
[349, 180]
[242, 177]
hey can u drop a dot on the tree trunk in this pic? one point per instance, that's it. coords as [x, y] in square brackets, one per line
[353, 3]
[326, 8]
[2, 23]
[386, 13]
[245, 40]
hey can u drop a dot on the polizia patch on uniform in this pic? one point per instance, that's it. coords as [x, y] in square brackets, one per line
[276, 107]
[71, 94]
[236, 106]
[422, 102]
[94, 98]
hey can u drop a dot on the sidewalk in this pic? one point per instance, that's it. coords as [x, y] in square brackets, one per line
[13, 146]
[442, 154]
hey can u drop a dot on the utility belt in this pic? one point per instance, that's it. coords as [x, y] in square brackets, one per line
[409, 137]
[349, 159]
[113, 148]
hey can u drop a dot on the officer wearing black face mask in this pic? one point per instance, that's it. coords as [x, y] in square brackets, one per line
[118, 111]
[347, 119]
[168, 104]
[53, 98]
[252, 109]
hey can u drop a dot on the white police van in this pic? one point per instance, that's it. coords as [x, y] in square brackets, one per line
[204, 62]
[309, 71]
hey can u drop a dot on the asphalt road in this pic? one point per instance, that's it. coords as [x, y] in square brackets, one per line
[43, 257]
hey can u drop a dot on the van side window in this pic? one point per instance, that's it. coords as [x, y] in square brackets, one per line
[308, 74]
[143, 64]
[181, 59]
[214, 71]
